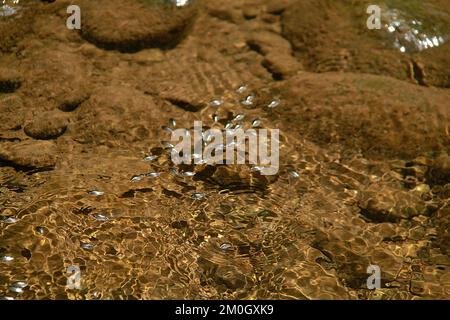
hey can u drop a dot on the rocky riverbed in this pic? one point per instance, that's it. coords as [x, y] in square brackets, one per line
[87, 181]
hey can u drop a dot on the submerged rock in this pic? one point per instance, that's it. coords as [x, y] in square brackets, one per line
[115, 115]
[381, 202]
[47, 125]
[10, 80]
[133, 25]
[342, 41]
[378, 116]
[30, 154]
[439, 172]
[11, 112]
[61, 77]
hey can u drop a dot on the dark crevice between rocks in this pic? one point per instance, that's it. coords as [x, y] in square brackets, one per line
[394, 239]
[227, 183]
[131, 46]
[418, 74]
[171, 194]
[377, 217]
[255, 47]
[9, 86]
[276, 76]
[26, 169]
[14, 189]
[243, 189]
[83, 210]
[132, 192]
[165, 41]
[435, 178]
[185, 105]
[2, 139]
[44, 136]
[72, 105]
[329, 257]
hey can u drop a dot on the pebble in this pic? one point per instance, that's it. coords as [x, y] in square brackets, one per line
[181, 3]
[248, 101]
[167, 144]
[30, 154]
[9, 220]
[152, 174]
[239, 117]
[47, 125]
[274, 103]
[293, 173]
[40, 230]
[137, 178]
[256, 123]
[87, 246]
[150, 158]
[18, 287]
[226, 246]
[100, 217]
[20, 284]
[188, 174]
[6, 258]
[198, 196]
[256, 169]
[215, 117]
[172, 122]
[216, 103]
[96, 193]
[167, 129]
[242, 89]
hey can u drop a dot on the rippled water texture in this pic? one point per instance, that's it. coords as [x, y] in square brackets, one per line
[413, 30]
[88, 187]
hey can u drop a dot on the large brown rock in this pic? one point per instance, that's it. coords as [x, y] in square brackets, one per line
[115, 115]
[378, 116]
[30, 154]
[333, 36]
[60, 76]
[134, 25]
[11, 112]
[47, 125]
